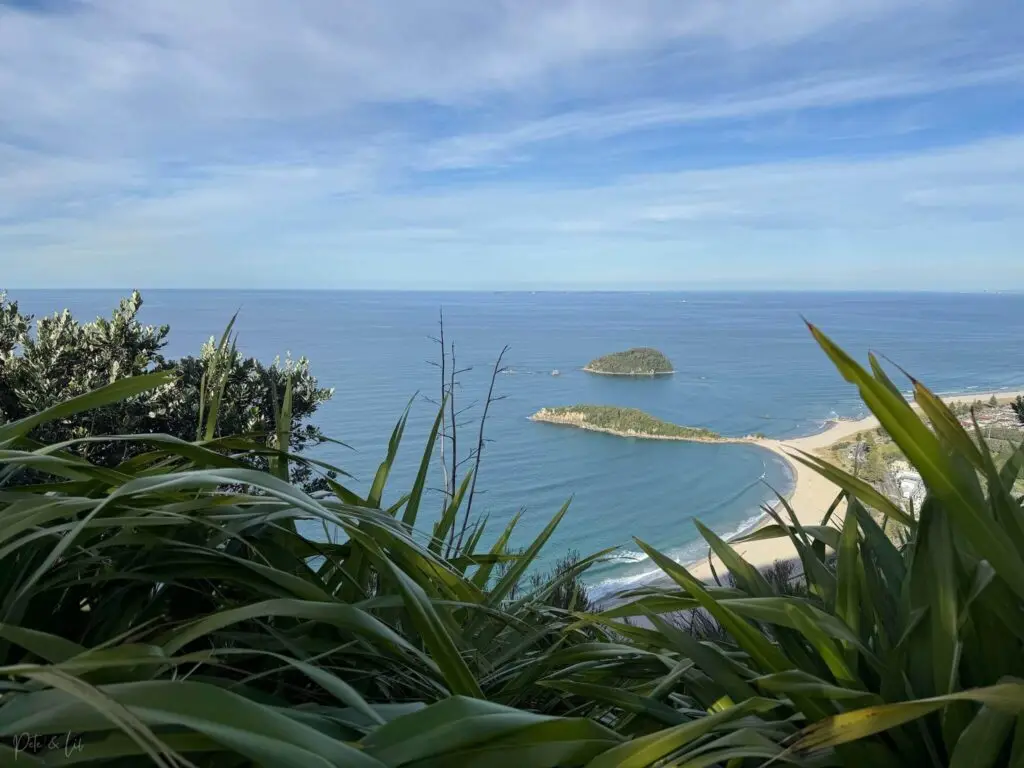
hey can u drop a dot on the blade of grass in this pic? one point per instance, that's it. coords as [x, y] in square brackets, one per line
[412, 506]
[373, 499]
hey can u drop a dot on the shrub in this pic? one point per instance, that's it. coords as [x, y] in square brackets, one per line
[65, 358]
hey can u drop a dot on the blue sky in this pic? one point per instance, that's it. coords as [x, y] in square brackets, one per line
[794, 144]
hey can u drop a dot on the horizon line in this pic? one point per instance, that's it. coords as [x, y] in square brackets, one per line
[637, 290]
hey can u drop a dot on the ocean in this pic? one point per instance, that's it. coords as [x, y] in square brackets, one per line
[745, 363]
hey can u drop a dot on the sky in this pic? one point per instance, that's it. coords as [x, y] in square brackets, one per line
[513, 144]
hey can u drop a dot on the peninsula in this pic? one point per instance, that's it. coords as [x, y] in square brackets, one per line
[639, 361]
[625, 422]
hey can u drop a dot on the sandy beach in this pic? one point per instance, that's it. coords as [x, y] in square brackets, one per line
[812, 494]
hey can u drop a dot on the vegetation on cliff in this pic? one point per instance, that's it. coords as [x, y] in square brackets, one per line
[628, 422]
[639, 361]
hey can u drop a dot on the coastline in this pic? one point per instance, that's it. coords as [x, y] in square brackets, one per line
[544, 418]
[810, 495]
[651, 375]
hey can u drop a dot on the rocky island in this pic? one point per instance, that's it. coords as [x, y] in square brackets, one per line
[625, 422]
[639, 361]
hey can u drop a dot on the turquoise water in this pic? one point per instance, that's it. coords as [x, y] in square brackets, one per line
[745, 364]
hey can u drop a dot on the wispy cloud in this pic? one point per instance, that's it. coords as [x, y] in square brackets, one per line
[821, 93]
[654, 225]
[183, 142]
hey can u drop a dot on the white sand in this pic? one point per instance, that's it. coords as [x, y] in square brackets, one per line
[812, 494]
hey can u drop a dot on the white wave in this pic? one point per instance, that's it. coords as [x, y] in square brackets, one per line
[745, 527]
[610, 586]
[629, 556]
[690, 553]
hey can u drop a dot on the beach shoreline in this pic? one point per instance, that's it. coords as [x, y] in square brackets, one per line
[811, 494]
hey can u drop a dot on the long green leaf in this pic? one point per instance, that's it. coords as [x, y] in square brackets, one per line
[648, 750]
[761, 650]
[848, 609]
[412, 506]
[436, 636]
[447, 521]
[111, 393]
[512, 576]
[860, 723]
[500, 547]
[931, 459]
[456, 724]
[373, 499]
[982, 740]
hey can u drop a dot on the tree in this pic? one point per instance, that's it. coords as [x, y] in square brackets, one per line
[65, 358]
[1018, 408]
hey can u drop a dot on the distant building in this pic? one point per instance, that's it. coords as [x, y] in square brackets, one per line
[908, 482]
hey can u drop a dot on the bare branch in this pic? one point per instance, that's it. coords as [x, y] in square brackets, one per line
[452, 479]
[444, 424]
[480, 446]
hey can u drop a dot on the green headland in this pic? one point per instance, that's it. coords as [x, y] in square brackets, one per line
[626, 422]
[639, 361]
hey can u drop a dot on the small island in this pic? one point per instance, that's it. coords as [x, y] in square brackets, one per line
[639, 361]
[625, 422]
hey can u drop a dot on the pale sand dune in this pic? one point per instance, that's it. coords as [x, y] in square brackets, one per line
[812, 494]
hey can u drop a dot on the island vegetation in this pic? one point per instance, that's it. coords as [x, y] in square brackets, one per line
[626, 422]
[639, 361]
[167, 609]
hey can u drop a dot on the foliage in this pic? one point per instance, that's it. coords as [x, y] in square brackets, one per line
[630, 422]
[869, 455]
[175, 593]
[65, 358]
[962, 408]
[1018, 408]
[569, 592]
[167, 612]
[639, 361]
[898, 656]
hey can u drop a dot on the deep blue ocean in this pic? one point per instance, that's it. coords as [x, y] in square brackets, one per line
[745, 363]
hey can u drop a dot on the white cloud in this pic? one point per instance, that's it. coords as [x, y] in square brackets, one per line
[288, 222]
[163, 139]
[114, 77]
[483, 149]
